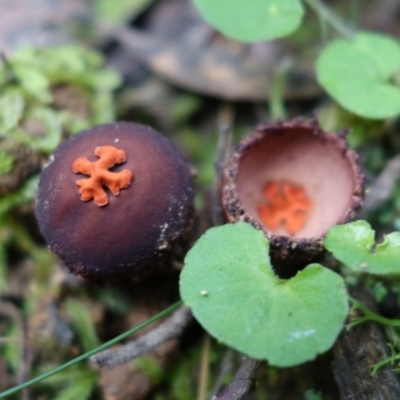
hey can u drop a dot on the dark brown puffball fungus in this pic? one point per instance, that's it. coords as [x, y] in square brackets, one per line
[294, 181]
[114, 200]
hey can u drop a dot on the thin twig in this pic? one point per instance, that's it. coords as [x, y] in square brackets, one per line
[276, 101]
[90, 353]
[382, 188]
[242, 382]
[225, 120]
[205, 368]
[169, 329]
[226, 367]
[331, 18]
[245, 376]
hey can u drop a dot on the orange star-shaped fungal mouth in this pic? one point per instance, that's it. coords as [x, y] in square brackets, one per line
[100, 176]
[287, 204]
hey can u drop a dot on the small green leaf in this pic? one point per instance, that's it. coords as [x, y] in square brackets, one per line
[233, 292]
[383, 50]
[33, 81]
[353, 243]
[105, 79]
[3, 260]
[119, 10]
[81, 389]
[26, 55]
[83, 323]
[312, 394]
[53, 129]
[6, 162]
[11, 349]
[151, 367]
[79, 383]
[22, 195]
[103, 110]
[252, 20]
[49, 125]
[12, 105]
[356, 74]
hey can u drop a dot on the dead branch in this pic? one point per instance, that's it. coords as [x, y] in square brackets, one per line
[355, 353]
[242, 382]
[382, 188]
[169, 329]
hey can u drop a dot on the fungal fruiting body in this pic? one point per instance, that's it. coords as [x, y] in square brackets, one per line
[294, 181]
[100, 176]
[287, 204]
[114, 201]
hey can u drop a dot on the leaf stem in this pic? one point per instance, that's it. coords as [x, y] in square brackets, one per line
[276, 102]
[204, 368]
[382, 363]
[90, 353]
[332, 19]
[369, 316]
[389, 360]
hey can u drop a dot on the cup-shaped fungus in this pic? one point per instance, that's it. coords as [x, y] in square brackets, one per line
[114, 201]
[293, 181]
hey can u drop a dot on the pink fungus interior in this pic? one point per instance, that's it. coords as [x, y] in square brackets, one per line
[316, 164]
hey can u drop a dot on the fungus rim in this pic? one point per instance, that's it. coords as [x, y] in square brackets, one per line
[281, 245]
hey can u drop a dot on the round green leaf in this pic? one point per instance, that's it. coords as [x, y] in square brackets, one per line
[252, 20]
[353, 245]
[383, 50]
[233, 292]
[356, 74]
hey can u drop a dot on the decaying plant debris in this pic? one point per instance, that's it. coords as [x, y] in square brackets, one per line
[159, 63]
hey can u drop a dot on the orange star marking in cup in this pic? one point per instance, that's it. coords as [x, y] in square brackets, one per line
[100, 176]
[287, 205]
